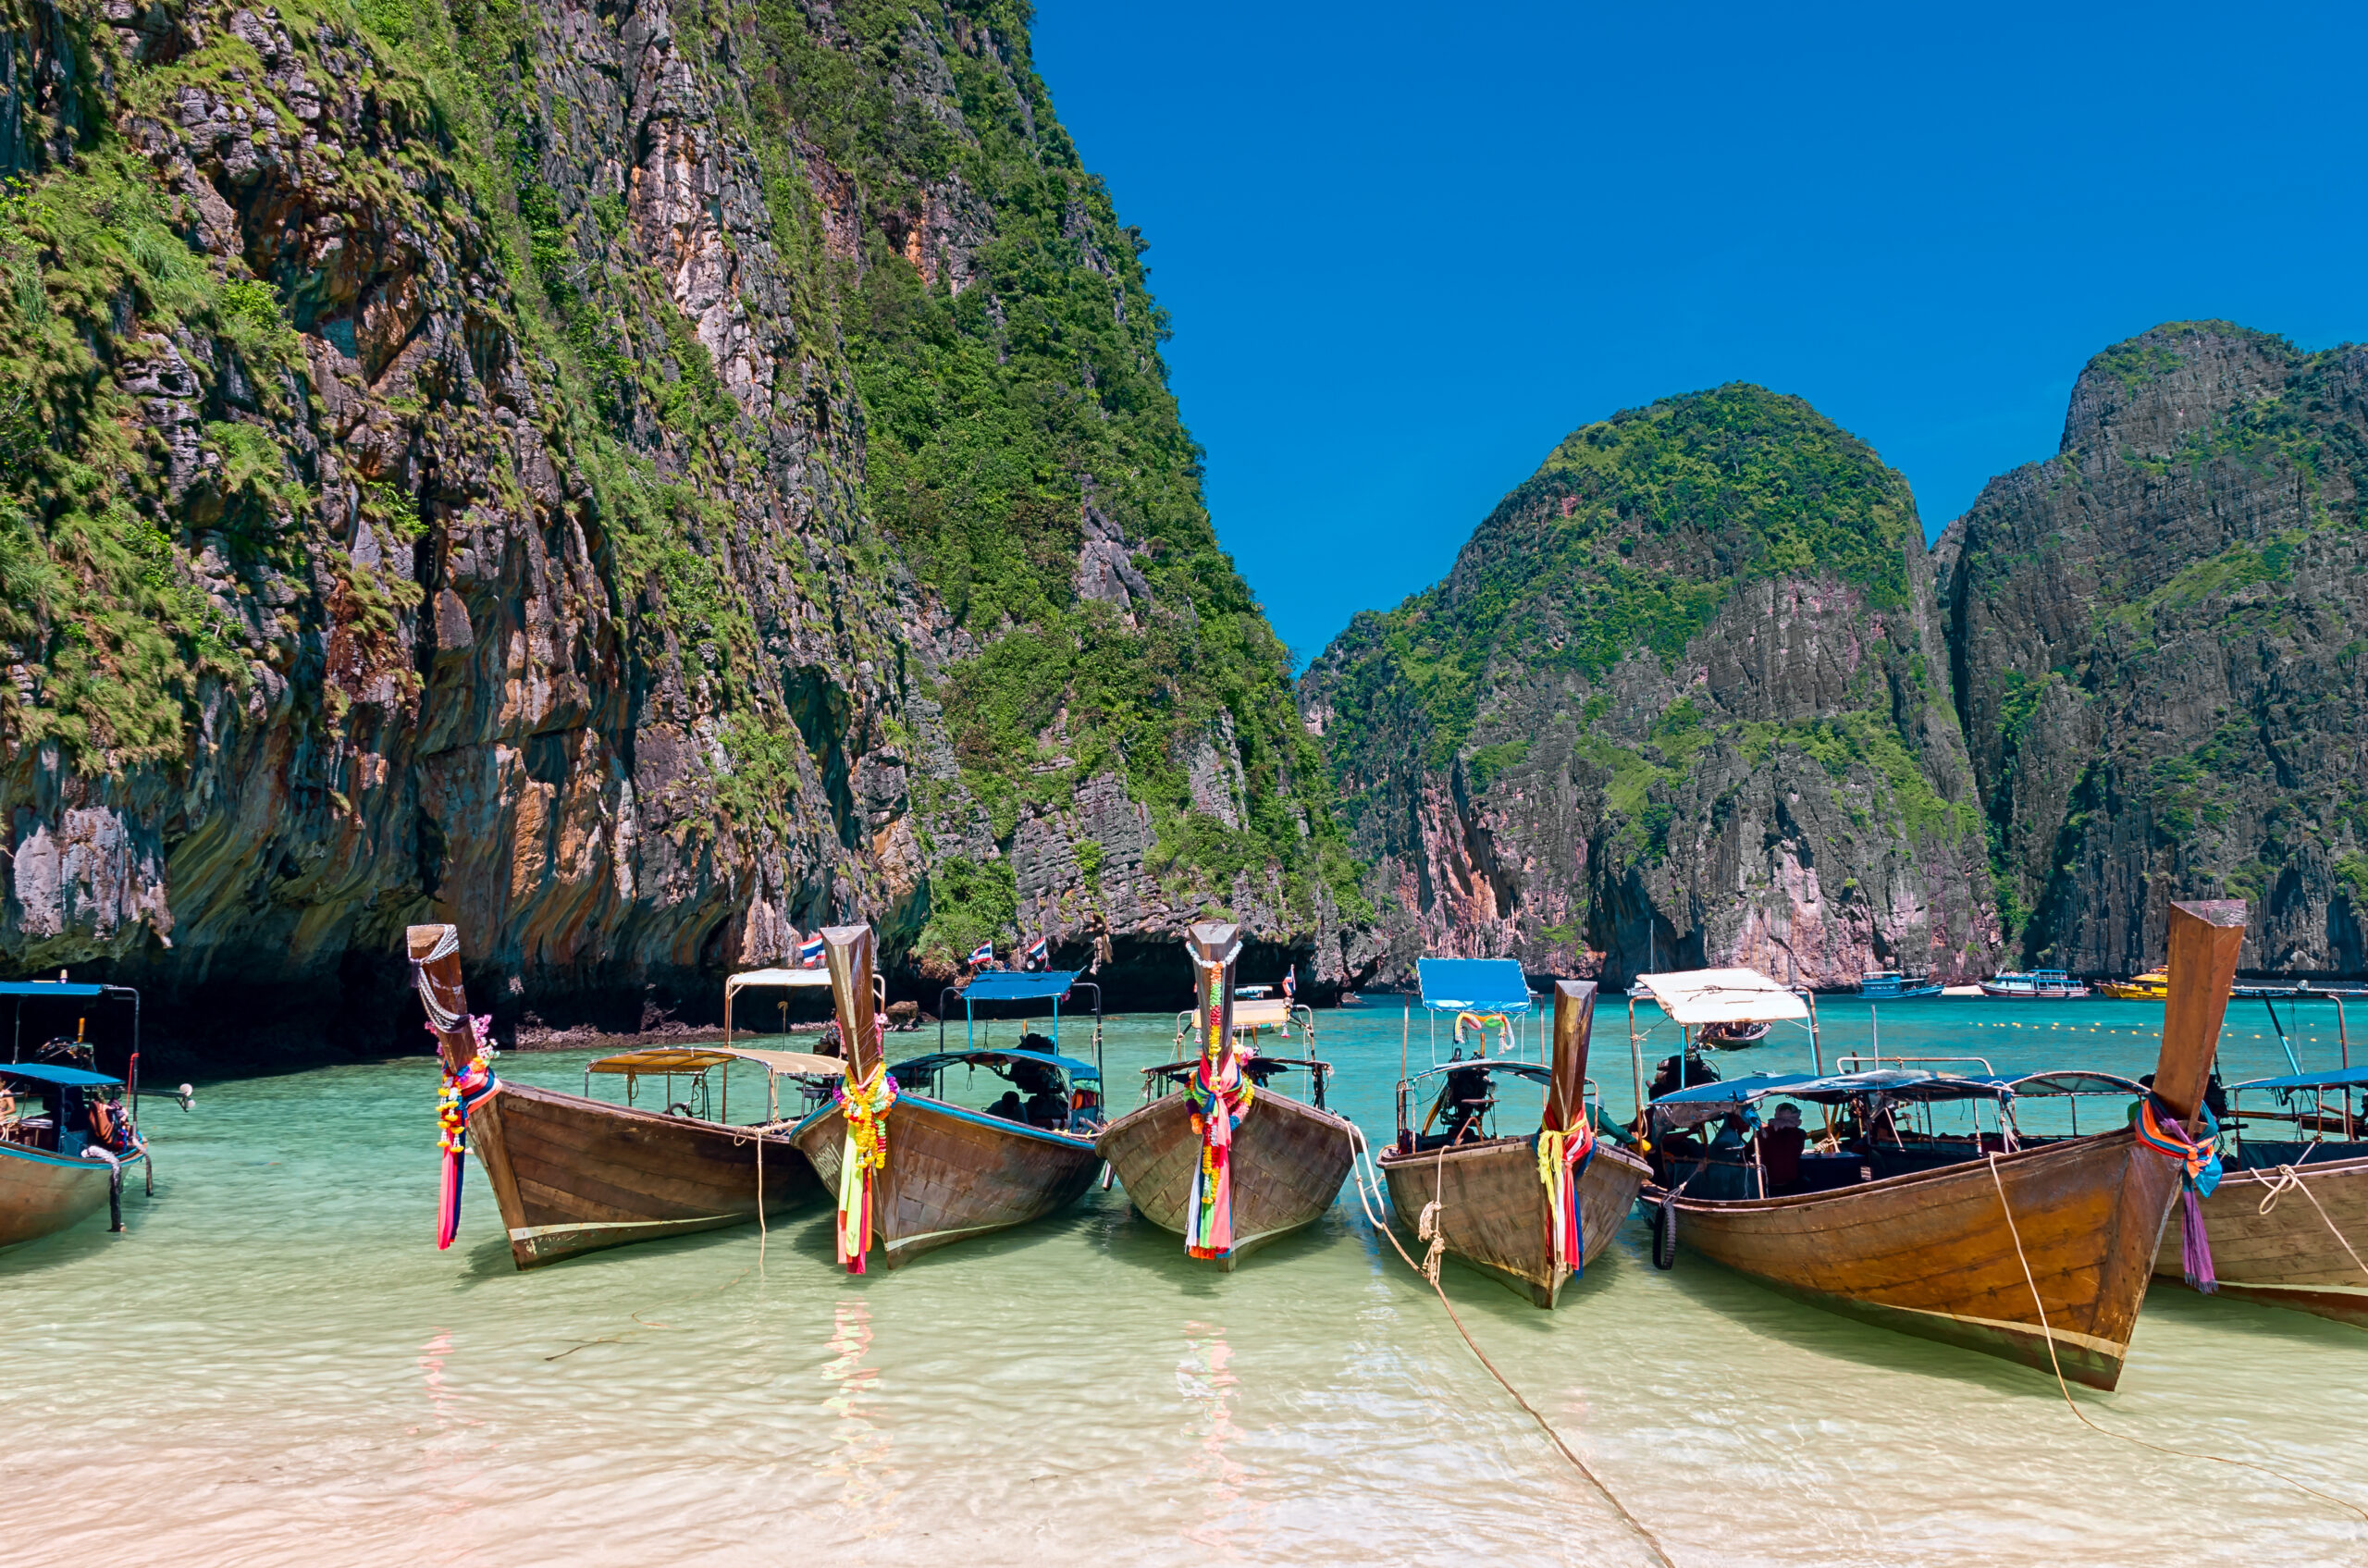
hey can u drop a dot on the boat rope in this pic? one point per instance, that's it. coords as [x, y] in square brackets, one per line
[1361, 1166]
[2199, 1161]
[2064, 1387]
[2290, 1180]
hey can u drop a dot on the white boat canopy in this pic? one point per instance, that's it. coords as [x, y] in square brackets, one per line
[741, 981]
[1691, 996]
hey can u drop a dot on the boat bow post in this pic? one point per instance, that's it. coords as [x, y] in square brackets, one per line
[866, 1092]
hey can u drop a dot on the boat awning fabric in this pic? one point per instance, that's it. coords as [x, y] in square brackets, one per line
[800, 978]
[2076, 1082]
[1474, 985]
[1691, 996]
[1019, 985]
[933, 1061]
[699, 1059]
[2343, 1078]
[55, 988]
[50, 1072]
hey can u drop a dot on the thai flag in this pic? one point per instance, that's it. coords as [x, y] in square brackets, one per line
[983, 954]
[1036, 951]
[809, 952]
[1290, 982]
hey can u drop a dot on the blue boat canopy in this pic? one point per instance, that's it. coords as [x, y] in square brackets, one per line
[938, 1060]
[1474, 985]
[1018, 985]
[2342, 1078]
[1702, 1100]
[54, 988]
[50, 1072]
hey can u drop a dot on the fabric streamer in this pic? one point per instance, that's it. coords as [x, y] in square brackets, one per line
[1563, 1156]
[1484, 1022]
[864, 1106]
[2198, 1164]
[462, 1093]
[1220, 1097]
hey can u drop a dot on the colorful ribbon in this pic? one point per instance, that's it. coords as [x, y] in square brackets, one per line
[1484, 1022]
[1219, 1101]
[864, 1107]
[1564, 1155]
[461, 1094]
[2199, 1163]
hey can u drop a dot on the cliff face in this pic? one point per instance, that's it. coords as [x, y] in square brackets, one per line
[1683, 700]
[632, 480]
[2157, 641]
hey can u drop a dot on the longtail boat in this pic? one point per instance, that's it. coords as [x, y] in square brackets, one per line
[1223, 1157]
[1533, 1210]
[572, 1174]
[68, 1132]
[2289, 1226]
[911, 1170]
[2039, 1252]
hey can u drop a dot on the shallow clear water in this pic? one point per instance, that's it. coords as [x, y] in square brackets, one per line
[276, 1366]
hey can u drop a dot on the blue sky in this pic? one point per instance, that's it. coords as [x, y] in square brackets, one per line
[1409, 248]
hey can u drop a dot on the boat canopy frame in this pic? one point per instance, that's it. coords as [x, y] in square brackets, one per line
[1691, 998]
[23, 991]
[1018, 985]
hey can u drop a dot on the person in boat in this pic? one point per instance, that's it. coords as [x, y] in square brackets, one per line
[1733, 1134]
[1009, 1108]
[1781, 1144]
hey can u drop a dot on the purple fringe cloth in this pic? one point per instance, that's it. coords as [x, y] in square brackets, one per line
[2195, 1245]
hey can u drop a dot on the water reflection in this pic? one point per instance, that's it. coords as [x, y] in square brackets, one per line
[1229, 1525]
[859, 1443]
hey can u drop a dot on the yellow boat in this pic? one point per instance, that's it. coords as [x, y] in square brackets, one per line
[2151, 986]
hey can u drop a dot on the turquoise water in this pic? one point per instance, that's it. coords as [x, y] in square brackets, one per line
[276, 1366]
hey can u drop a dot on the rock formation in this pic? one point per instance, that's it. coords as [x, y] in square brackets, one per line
[636, 484]
[2157, 640]
[1683, 700]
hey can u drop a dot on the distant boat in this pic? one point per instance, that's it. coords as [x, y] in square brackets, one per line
[1890, 984]
[2045, 985]
[1731, 1035]
[2151, 986]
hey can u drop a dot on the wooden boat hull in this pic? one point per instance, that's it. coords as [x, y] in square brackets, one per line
[41, 1193]
[1288, 1162]
[1492, 1210]
[2286, 1257]
[1931, 1253]
[573, 1175]
[954, 1173]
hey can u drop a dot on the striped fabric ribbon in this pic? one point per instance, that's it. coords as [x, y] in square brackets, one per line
[2199, 1163]
[1563, 1155]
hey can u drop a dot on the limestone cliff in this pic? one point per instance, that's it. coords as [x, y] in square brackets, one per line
[632, 479]
[1683, 700]
[2158, 637]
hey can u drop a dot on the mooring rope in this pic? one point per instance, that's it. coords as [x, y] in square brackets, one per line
[2065, 1388]
[1430, 1274]
[2290, 1181]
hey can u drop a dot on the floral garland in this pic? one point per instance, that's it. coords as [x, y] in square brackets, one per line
[1563, 1155]
[1219, 1100]
[461, 1094]
[864, 1108]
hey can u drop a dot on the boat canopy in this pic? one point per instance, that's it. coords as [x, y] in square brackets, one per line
[1468, 985]
[655, 1059]
[1530, 1070]
[937, 1061]
[50, 1072]
[55, 988]
[1692, 997]
[1702, 1101]
[816, 978]
[1019, 985]
[2342, 1078]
